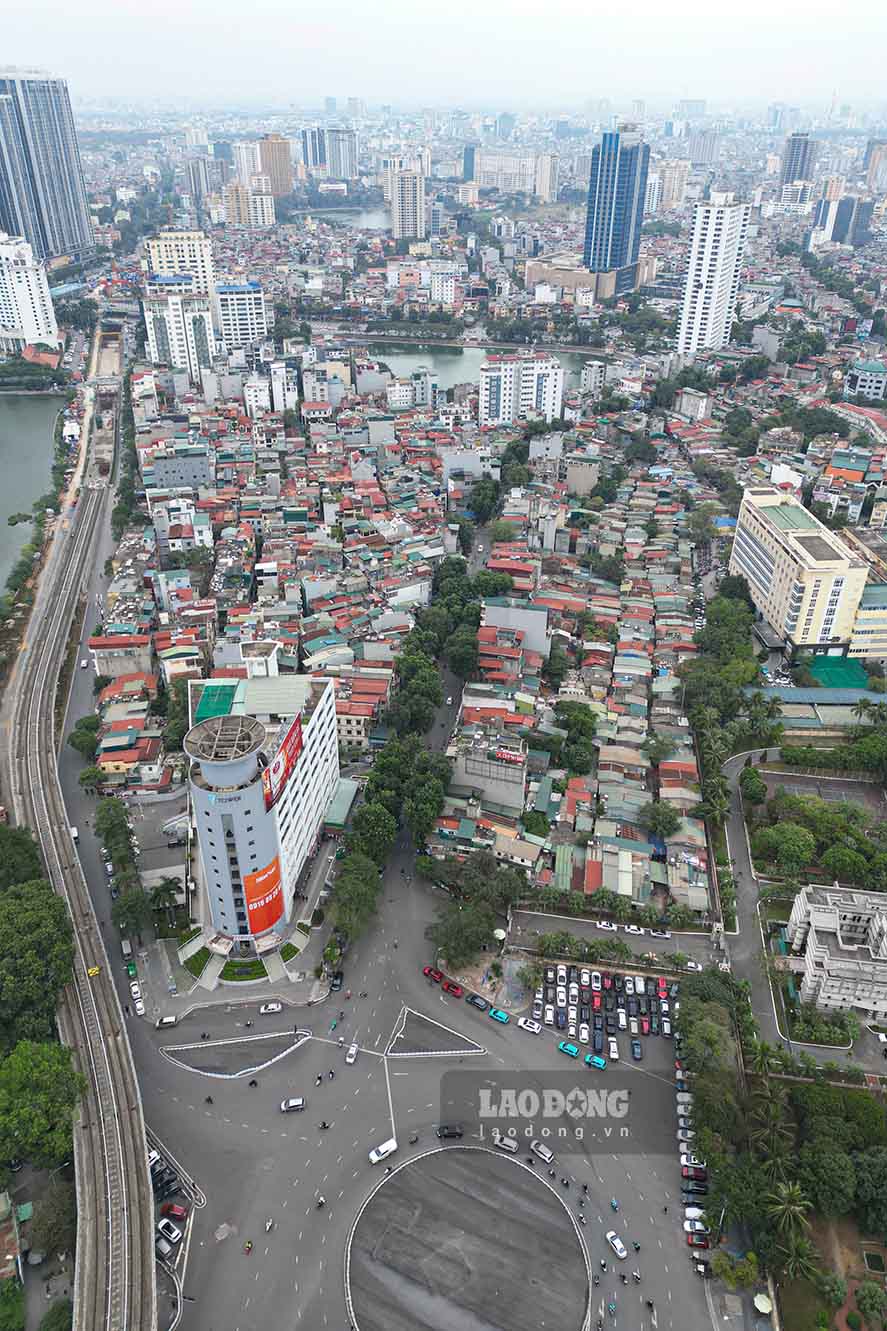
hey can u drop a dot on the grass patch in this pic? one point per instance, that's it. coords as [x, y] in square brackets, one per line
[303, 928]
[197, 964]
[187, 934]
[800, 1305]
[288, 951]
[244, 970]
[776, 911]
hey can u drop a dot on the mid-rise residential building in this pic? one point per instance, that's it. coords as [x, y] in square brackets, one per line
[178, 318]
[175, 253]
[26, 313]
[253, 207]
[803, 579]
[257, 395]
[842, 937]
[284, 386]
[275, 162]
[593, 377]
[702, 145]
[247, 162]
[545, 182]
[720, 227]
[798, 158]
[241, 312]
[262, 777]
[407, 205]
[876, 165]
[673, 175]
[42, 194]
[341, 153]
[515, 387]
[616, 192]
[653, 194]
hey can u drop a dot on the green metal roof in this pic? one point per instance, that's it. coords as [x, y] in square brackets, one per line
[791, 517]
[215, 700]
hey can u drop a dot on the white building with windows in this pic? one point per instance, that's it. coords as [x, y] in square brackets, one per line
[264, 769]
[256, 395]
[171, 253]
[26, 313]
[242, 319]
[842, 937]
[407, 205]
[514, 387]
[720, 228]
[179, 323]
[284, 386]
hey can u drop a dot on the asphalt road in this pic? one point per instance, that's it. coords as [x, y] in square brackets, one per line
[253, 1162]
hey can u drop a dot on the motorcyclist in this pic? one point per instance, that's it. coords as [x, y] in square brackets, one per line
[323, 1124]
[595, 1279]
[248, 1246]
[208, 1100]
[321, 1201]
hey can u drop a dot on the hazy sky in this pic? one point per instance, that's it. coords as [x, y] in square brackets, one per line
[485, 53]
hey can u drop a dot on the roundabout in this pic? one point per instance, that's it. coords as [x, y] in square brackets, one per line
[470, 1240]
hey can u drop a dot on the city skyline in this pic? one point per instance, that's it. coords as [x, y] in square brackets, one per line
[680, 53]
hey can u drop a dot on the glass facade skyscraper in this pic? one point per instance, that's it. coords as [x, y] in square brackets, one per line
[42, 195]
[616, 190]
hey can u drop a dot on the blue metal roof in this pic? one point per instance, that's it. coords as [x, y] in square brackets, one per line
[822, 697]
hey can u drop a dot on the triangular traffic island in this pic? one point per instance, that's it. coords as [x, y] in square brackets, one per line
[418, 1036]
[233, 1057]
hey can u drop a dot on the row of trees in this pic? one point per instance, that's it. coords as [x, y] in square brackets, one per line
[481, 891]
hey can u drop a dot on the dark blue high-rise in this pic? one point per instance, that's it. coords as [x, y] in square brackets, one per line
[616, 191]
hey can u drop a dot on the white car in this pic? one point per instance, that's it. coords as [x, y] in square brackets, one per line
[574, 992]
[537, 1010]
[571, 1030]
[585, 978]
[616, 1244]
[634, 929]
[526, 1025]
[169, 1230]
[693, 966]
[660, 933]
[686, 1136]
[685, 1123]
[562, 976]
[572, 1013]
[135, 990]
[595, 981]
[629, 986]
[632, 1025]
[695, 1227]
[293, 1105]
[614, 1050]
[549, 1014]
[693, 1213]
[351, 1056]
[449, 702]
[561, 996]
[583, 1033]
[266, 1008]
[139, 1007]
[691, 1162]
[607, 926]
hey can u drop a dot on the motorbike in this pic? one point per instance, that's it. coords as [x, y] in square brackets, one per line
[636, 1277]
[414, 1137]
[248, 1247]
[595, 1279]
[611, 1308]
[269, 1225]
[614, 1204]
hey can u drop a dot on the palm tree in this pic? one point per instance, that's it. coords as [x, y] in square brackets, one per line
[798, 1258]
[787, 1207]
[758, 1061]
[716, 808]
[163, 897]
[622, 909]
[770, 1128]
[861, 709]
[775, 1162]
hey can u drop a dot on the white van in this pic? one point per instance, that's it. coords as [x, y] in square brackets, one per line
[382, 1152]
[126, 949]
[621, 1019]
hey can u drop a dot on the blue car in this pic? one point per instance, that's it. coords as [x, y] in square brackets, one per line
[498, 1015]
[569, 1049]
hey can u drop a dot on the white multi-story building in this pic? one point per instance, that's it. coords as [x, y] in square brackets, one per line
[842, 937]
[241, 307]
[652, 194]
[247, 161]
[514, 387]
[720, 228]
[802, 578]
[256, 395]
[673, 179]
[179, 323]
[261, 211]
[172, 253]
[284, 386]
[407, 205]
[866, 378]
[261, 781]
[593, 377]
[26, 313]
[442, 288]
[341, 153]
[545, 183]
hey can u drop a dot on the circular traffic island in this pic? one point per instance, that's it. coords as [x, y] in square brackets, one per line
[466, 1240]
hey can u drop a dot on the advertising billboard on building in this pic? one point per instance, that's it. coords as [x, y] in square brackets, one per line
[264, 897]
[277, 773]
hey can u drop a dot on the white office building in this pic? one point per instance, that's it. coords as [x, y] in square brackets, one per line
[593, 377]
[242, 321]
[262, 777]
[171, 253]
[26, 313]
[652, 194]
[841, 935]
[545, 183]
[720, 228]
[515, 387]
[284, 386]
[247, 161]
[179, 323]
[256, 395]
[407, 205]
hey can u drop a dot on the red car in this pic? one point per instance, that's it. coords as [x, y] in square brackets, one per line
[695, 1172]
[174, 1211]
[596, 1001]
[436, 976]
[697, 1241]
[451, 987]
[645, 1025]
[662, 987]
[608, 981]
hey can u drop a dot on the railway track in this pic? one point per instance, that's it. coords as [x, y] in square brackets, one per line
[114, 1286]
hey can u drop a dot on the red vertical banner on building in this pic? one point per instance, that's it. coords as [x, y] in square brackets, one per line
[277, 773]
[264, 897]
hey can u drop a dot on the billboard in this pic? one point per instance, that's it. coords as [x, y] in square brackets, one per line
[277, 773]
[264, 897]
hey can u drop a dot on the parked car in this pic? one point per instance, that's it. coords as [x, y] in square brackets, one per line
[532, 1027]
[476, 1001]
[169, 1231]
[451, 987]
[498, 1015]
[637, 1052]
[569, 1049]
[174, 1211]
[431, 973]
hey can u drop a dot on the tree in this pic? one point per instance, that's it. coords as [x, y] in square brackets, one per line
[36, 957]
[461, 931]
[132, 911]
[796, 1255]
[535, 822]
[20, 859]
[12, 1306]
[356, 894]
[658, 748]
[84, 737]
[484, 499]
[90, 778]
[462, 652]
[753, 786]
[787, 1207]
[54, 1227]
[101, 682]
[164, 897]
[422, 809]
[374, 831]
[832, 1288]
[660, 820]
[871, 1300]
[39, 1090]
[871, 1190]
